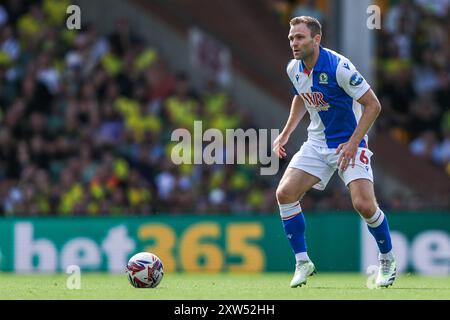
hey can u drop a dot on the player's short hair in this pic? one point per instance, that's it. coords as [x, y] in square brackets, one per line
[312, 23]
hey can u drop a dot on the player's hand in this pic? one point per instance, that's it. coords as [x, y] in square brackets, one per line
[348, 154]
[278, 145]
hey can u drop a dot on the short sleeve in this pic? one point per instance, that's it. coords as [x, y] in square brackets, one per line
[351, 80]
[290, 69]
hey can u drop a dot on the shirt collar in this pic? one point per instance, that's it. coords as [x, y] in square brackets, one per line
[320, 60]
[319, 63]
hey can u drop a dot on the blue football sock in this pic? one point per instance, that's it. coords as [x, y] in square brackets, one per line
[379, 227]
[295, 232]
[294, 226]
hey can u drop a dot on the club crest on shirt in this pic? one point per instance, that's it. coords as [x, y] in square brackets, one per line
[356, 79]
[315, 100]
[323, 78]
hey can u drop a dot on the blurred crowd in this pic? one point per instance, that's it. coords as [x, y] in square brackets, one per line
[413, 70]
[413, 77]
[86, 118]
[288, 9]
[86, 122]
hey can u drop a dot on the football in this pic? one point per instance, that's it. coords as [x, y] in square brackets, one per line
[145, 270]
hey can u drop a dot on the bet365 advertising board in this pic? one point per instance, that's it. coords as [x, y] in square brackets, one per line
[337, 242]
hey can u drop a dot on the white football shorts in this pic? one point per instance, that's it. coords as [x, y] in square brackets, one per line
[321, 162]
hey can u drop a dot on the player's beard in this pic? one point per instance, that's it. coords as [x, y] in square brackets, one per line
[308, 52]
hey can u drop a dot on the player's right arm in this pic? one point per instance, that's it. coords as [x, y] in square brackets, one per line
[296, 114]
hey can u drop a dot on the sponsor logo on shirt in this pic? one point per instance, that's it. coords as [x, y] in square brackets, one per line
[323, 78]
[315, 100]
[356, 79]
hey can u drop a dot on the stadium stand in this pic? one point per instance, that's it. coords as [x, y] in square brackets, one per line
[412, 71]
[86, 119]
[86, 124]
[412, 82]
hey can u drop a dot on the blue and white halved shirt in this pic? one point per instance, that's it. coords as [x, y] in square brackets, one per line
[330, 92]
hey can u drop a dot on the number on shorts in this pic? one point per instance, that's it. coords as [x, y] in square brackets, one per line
[363, 157]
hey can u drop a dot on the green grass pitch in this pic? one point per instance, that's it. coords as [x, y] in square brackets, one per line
[187, 286]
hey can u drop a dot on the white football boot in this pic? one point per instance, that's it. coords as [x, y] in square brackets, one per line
[387, 271]
[303, 269]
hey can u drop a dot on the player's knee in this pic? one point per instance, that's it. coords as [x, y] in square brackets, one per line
[365, 207]
[284, 195]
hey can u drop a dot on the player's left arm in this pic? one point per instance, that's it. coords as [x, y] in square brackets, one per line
[356, 87]
[349, 149]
